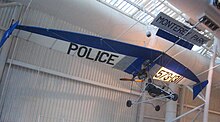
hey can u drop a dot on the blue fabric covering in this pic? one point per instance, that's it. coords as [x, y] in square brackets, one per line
[141, 53]
[198, 88]
[95, 42]
[135, 67]
[173, 39]
[8, 33]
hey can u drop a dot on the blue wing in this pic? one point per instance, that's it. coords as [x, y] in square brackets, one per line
[8, 33]
[140, 53]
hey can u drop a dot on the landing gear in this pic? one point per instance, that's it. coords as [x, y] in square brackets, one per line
[157, 108]
[156, 92]
[129, 103]
[174, 97]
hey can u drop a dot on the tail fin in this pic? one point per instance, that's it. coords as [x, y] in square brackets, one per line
[197, 88]
[8, 33]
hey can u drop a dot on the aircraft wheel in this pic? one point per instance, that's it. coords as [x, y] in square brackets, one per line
[129, 103]
[157, 108]
[175, 97]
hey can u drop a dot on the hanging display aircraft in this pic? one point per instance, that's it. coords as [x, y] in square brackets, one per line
[144, 64]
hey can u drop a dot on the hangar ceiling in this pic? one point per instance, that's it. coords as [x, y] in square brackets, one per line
[144, 11]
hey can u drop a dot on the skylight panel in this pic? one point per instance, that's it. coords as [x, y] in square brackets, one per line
[157, 4]
[145, 11]
[137, 14]
[146, 18]
[122, 4]
[130, 9]
[149, 3]
[118, 3]
[170, 12]
[126, 7]
[142, 16]
[172, 7]
[150, 6]
[138, 2]
[164, 9]
[142, 2]
[167, 11]
[107, 1]
[160, 7]
[175, 15]
[113, 2]
[149, 20]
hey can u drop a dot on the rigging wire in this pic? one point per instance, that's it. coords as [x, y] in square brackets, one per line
[5, 84]
[175, 42]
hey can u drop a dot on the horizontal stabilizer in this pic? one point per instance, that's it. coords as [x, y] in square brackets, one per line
[173, 39]
[197, 88]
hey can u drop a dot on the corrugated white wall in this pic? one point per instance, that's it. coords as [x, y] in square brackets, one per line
[214, 111]
[34, 95]
[45, 98]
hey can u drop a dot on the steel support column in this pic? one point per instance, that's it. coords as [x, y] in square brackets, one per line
[141, 107]
[181, 101]
[171, 106]
[208, 88]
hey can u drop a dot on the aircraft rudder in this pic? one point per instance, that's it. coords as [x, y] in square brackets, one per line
[197, 88]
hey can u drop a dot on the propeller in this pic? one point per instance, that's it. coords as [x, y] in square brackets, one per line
[131, 79]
